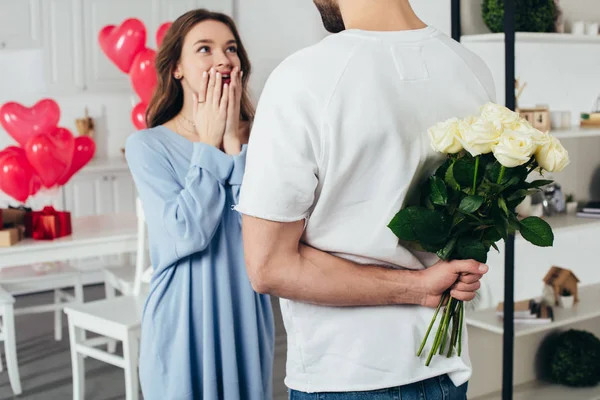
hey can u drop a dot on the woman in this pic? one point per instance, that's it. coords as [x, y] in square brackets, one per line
[205, 333]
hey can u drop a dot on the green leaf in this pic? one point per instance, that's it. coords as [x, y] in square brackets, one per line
[471, 248]
[489, 188]
[444, 253]
[438, 193]
[495, 247]
[464, 170]
[539, 183]
[502, 205]
[537, 231]
[519, 194]
[493, 171]
[500, 223]
[401, 224]
[418, 223]
[449, 178]
[470, 204]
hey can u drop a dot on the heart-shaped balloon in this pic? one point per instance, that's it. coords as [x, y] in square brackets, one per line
[16, 175]
[138, 115]
[121, 44]
[143, 74]
[23, 122]
[51, 155]
[85, 147]
[161, 32]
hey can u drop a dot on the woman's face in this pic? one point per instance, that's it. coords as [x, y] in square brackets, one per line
[209, 44]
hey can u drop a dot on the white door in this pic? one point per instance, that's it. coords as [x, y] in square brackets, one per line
[100, 73]
[63, 45]
[19, 24]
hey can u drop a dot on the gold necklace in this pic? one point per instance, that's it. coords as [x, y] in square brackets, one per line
[189, 121]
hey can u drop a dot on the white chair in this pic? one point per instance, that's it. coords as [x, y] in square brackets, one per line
[7, 334]
[115, 319]
[43, 277]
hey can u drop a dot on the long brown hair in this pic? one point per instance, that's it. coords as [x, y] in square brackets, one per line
[167, 99]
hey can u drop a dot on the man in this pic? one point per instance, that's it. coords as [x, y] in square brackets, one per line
[338, 143]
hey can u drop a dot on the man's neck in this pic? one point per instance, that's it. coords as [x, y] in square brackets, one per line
[379, 15]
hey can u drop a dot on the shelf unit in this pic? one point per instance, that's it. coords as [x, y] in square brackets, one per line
[586, 309]
[532, 37]
[575, 132]
[544, 391]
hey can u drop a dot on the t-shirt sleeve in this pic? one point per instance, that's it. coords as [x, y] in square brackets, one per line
[283, 152]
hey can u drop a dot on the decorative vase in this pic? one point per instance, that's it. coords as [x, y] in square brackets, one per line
[571, 207]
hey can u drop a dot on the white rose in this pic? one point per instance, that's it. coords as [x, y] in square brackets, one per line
[552, 156]
[478, 135]
[445, 136]
[500, 116]
[514, 148]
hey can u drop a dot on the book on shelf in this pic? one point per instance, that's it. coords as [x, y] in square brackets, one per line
[591, 207]
[529, 311]
[584, 214]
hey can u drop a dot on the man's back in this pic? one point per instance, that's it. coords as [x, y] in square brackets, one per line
[355, 109]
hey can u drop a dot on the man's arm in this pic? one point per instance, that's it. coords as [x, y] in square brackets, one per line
[280, 265]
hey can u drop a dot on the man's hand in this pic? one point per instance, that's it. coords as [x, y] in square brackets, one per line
[460, 276]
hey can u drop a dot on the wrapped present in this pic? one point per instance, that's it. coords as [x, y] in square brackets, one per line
[13, 216]
[47, 224]
[10, 236]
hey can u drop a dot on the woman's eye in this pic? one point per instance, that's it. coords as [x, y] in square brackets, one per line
[203, 49]
[232, 49]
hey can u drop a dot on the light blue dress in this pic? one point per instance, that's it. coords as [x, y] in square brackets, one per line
[205, 333]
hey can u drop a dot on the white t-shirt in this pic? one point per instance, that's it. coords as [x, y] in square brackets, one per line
[340, 140]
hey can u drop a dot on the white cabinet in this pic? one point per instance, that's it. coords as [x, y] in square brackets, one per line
[63, 45]
[100, 189]
[100, 73]
[19, 24]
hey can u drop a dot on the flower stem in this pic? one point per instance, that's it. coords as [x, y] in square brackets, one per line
[431, 325]
[446, 324]
[438, 335]
[475, 176]
[454, 332]
[501, 176]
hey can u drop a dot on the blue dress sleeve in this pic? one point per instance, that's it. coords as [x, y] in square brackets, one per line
[189, 211]
[237, 174]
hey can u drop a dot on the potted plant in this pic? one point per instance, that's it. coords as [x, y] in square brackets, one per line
[571, 203]
[566, 298]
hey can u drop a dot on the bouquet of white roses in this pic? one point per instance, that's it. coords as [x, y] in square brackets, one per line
[469, 203]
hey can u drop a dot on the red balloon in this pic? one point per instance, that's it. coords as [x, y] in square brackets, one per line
[143, 74]
[22, 122]
[161, 32]
[51, 155]
[16, 175]
[36, 185]
[121, 44]
[138, 115]
[85, 147]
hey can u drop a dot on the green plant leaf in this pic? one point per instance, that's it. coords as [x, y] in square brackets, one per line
[437, 191]
[519, 194]
[449, 178]
[495, 247]
[464, 170]
[539, 183]
[471, 248]
[502, 205]
[429, 227]
[470, 204]
[537, 231]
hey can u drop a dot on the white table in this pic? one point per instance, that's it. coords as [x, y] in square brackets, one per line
[93, 236]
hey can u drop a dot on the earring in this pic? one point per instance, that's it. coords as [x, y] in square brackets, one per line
[177, 76]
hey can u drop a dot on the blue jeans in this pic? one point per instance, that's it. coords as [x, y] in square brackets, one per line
[438, 388]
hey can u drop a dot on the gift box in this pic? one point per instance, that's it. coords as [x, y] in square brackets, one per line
[47, 224]
[10, 236]
[10, 217]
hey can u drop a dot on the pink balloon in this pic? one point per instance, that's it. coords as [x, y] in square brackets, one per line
[138, 115]
[161, 32]
[23, 122]
[143, 75]
[16, 175]
[51, 155]
[121, 44]
[85, 147]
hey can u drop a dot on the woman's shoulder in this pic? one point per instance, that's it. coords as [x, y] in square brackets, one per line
[152, 139]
